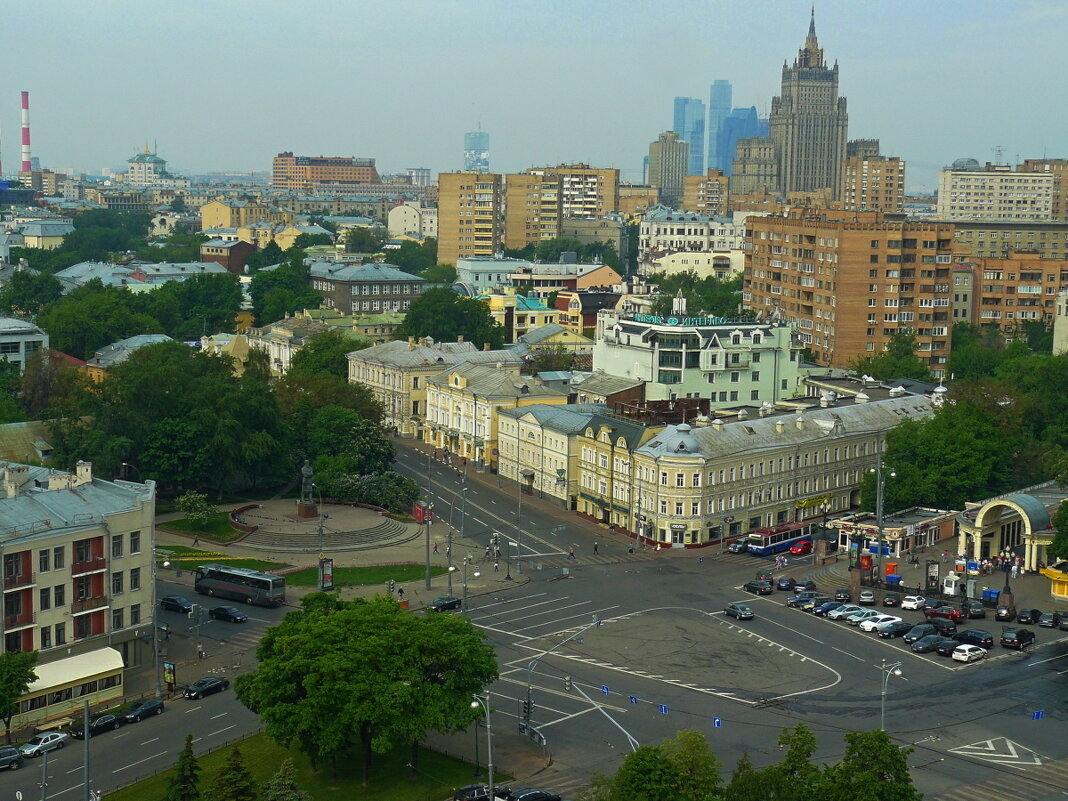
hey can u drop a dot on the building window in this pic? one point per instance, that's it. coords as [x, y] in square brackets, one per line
[678, 508]
[695, 508]
[46, 637]
[116, 546]
[43, 561]
[46, 598]
[756, 375]
[59, 598]
[135, 615]
[663, 478]
[116, 583]
[135, 579]
[58, 558]
[61, 633]
[663, 507]
[135, 542]
[82, 552]
[696, 480]
[680, 480]
[735, 376]
[116, 619]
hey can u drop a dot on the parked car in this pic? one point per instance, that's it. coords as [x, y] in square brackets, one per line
[481, 792]
[930, 642]
[806, 585]
[968, 653]
[445, 603]
[786, 583]
[230, 614]
[947, 628]
[913, 602]
[1017, 638]
[891, 599]
[802, 548]
[857, 618]
[1028, 616]
[810, 604]
[866, 598]
[97, 725]
[764, 575]
[738, 546]
[984, 639]
[918, 632]
[534, 795]
[206, 686]
[801, 597]
[10, 758]
[947, 647]
[46, 741]
[973, 607]
[759, 587]
[142, 710]
[954, 613]
[827, 606]
[739, 611]
[843, 595]
[1051, 619]
[873, 623]
[1064, 623]
[176, 603]
[843, 611]
[1005, 613]
[899, 629]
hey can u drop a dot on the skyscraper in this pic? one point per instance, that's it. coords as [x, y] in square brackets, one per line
[741, 123]
[476, 151]
[809, 121]
[668, 159]
[719, 107]
[690, 125]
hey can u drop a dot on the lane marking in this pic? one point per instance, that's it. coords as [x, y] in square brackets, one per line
[514, 600]
[567, 717]
[146, 742]
[522, 608]
[1041, 661]
[194, 709]
[138, 762]
[220, 731]
[546, 611]
[570, 617]
[220, 715]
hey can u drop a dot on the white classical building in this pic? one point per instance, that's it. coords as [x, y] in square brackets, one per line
[413, 219]
[664, 230]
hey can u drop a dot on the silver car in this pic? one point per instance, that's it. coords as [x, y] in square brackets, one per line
[46, 741]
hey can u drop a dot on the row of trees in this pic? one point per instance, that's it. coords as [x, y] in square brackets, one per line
[442, 314]
[705, 297]
[549, 250]
[233, 782]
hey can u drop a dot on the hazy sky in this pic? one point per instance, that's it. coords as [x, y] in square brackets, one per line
[226, 84]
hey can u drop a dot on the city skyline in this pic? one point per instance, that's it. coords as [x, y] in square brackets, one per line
[919, 86]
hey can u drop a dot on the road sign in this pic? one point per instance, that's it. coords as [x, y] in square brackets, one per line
[663, 709]
[604, 689]
[1038, 714]
[700, 560]
[717, 722]
[633, 699]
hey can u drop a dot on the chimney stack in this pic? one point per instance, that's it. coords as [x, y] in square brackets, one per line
[26, 132]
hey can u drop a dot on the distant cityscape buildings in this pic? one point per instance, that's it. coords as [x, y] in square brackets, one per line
[689, 123]
[476, 151]
[669, 158]
[719, 107]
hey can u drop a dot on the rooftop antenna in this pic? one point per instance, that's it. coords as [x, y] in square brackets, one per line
[999, 151]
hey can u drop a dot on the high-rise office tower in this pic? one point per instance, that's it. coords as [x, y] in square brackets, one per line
[476, 151]
[719, 108]
[741, 123]
[809, 121]
[690, 125]
[669, 157]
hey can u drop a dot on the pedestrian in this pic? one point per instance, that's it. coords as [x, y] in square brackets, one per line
[196, 539]
[496, 566]
[571, 552]
[945, 556]
[400, 593]
[200, 651]
[595, 548]
[498, 554]
[658, 547]
[1015, 571]
[630, 548]
[435, 547]
[486, 558]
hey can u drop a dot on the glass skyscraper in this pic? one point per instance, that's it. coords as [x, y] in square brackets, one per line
[719, 108]
[690, 126]
[476, 151]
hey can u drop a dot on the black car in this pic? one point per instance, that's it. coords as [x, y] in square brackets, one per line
[843, 595]
[947, 647]
[142, 710]
[97, 725]
[805, 585]
[738, 546]
[534, 795]
[801, 597]
[918, 632]
[10, 757]
[891, 599]
[445, 603]
[206, 686]
[229, 613]
[764, 575]
[984, 639]
[931, 642]
[1028, 616]
[811, 604]
[973, 607]
[947, 628]
[1005, 614]
[898, 628]
[481, 792]
[825, 607]
[786, 583]
[1052, 619]
[759, 587]
[1017, 638]
[176, 603]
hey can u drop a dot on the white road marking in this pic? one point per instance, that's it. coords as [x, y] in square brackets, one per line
[220, 715]
[75, 770]
[1040, 661]
[146, 742]
[522, 608]
[1000, 751]
[570, 617]
[138, 762]
[194, 709]
[567, 717]
[220, 731]
[546, 611]
[851, 656]
[514, 600]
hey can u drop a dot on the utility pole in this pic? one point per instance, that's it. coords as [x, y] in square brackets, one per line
[85, 758]
[518, 525]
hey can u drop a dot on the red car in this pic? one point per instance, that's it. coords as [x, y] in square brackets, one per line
[954, 613]
[803, 547]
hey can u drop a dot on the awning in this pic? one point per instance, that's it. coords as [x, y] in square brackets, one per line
[75, 668]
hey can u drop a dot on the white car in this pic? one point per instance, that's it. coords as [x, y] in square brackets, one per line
[857, 618]
[843, 611]
[46, 741]
[913, 602]
[877, 622]
[968, 653]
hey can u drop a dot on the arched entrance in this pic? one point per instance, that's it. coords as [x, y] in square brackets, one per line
[1017, 524]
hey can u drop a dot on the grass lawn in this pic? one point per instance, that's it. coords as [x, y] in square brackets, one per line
[216, 528]
[187, 558]
[371, 574]
[438, 776]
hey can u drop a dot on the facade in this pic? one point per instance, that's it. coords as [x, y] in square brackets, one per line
[1060, 324]
[597, 230]
[585, 191]
[554, 335]
[755, 167]
[1057, 169]
[118, 352]
[78, 573]
[579, 309]
[998, 239]
[741, 123]
[231, 255]
[44, 234]
[517, 314]
[719, 107]
[1015, 524]
[690, 357]
[871, 182]
[413, 219]
[689, 121]
[995, 193]
[669, 159]
[636, 198]
[301, 173]
[1009, 292]
[237, 213]
[233, 346]
[665, 230]
[477, 275]
[282, 339]
[724, 265]
[365, 288]
[706, 193]
[533, 208]
[849, 282]
[470, 215]
[476, 151]
[148, 169]
[904, 532]
[20, 340]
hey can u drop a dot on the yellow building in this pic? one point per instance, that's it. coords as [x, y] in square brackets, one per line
[533, 209]
[239, 213]
[587, 191]
[470, 215]
[234, 346]
[554, 335]
[518, 314]
[706, 194]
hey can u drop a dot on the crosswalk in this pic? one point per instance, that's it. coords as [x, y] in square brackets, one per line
[1015, 784]
[535, 614]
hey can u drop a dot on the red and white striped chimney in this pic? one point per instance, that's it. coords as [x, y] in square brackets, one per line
[26, 132]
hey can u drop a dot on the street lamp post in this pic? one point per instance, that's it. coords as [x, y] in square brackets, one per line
[126, 465]
[723, 532]
[155, 621]
[880, 487]
[519, 530]
[467, 561]
[428, 514]
[484, 702]
[508, 560]
[888, 670]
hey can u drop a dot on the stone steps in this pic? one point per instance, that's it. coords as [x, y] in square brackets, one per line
[387, 532]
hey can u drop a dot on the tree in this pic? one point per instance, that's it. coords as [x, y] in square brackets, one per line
[284, 290]
[178, 204]
[283, 786]
[47, 384]
[874, 768]
[695, 769]
[194, 505]
[313, 240]
[358, 443]
[364, 240]
[16, 675]
[440, 274]
[182, 785]
[27, 292]
[748, 784]
[705, 297]
[92, 316]
[390, 490]
[898, 360]
[269, 255]
[337, 674]
[202, 304]
[326, 352]
[415, 257]
[177, 248]
[1058, 549]
[556, 357]
[795, 775]
[234, 782]
[10, 384]
[680, 769]
[301, 396]
[442, 314]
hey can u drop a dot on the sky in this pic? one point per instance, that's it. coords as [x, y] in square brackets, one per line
[227, 84]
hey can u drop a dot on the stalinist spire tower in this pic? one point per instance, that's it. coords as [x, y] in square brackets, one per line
[809, 121]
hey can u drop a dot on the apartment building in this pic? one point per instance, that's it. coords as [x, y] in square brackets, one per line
[517, 314]
[998, 239]
[239, 213]
[470, 215]
[706, 194]
[849, 281]
[636, 198]
[413, 219]
[666, 230]
[994, 192]
[20, 340]
[668, 165]
[1058, 171]
[1011, 292]
[871, 182]
[585, 191]
[533, 209]
[480, 274]
[300, 173]
[365, 288]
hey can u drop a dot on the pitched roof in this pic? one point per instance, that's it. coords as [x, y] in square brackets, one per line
[567, 418]
[489, 382]
[402, 354]
[360, 272]
[542, 333]
[118, 352]
[602, 383]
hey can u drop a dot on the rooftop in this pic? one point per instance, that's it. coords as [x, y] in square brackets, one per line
[118, 352]
[372, 272]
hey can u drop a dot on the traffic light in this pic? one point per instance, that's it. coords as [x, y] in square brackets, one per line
[528, 707]
[390, 585]
[567, 683]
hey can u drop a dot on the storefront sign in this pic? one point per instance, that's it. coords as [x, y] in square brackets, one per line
[815, 500]
[679, 526]
[657, 320]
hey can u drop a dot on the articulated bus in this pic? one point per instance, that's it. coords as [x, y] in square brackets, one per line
[241, 584]
[768, 541]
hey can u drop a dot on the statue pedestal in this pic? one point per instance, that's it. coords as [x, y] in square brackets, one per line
[306, 509]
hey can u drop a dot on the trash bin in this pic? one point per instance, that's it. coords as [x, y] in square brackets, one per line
[893, 580]
[991, 596]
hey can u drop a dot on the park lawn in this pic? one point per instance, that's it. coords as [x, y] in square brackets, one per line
[438, 776]
[370, 574]
[185, 558]
[216, 528]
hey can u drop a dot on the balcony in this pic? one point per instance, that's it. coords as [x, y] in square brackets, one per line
[21, 580]
[88, 604]
[19, 620]
[92, 565]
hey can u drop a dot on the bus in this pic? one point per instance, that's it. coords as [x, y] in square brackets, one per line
[768, 541]
[241, 584]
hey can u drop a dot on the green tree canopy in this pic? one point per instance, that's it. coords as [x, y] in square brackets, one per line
[178, 247]
[440, 274]
[415, 257]
[325, 352]
[1058, 549]
[233, 781]
[10, 388]
[183, 783]
[265, 257]
[390, 490]
[365, 239]
[27, 293]
[202, 304]
[283, 785]
[16, 675]
[874, 768]
[284, 290]
[899, 360]
[358, 443]
[442, 314]
[556, 357]
[680, 769]
[705, 297]
[300, 396]
[92, 316]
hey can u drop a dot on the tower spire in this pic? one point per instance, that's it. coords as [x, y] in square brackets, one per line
[812, 22]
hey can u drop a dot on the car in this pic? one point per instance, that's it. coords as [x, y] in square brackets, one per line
[1006, 614]
[918, 632]
[891, 630]
[738, 546]
[1051, 619]
[140, 711]
[230, 614]
[445, 603]
[968, 653]
[973, 607]
[1017, 638]
[206, 686]
[764, 575]
[786, 583]
[806, 585]
[947, 647]
[857, 618]
[866, 598]
[947, 628]
[913, 602]
[481, 792]
[930, 642]
[891, 599]
[759, 587]
[843, 611]
[176, 603]
[843, 595]
[97, 725]
[1064, 622]
[739, 610]
[954, 613]
[45, 741]
[10, 757]
[801, 597]
[873, 623]
[984, 639]
[1028, 616]
[802, 548]
[533, 795]
[827, 606]
[810, 604]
